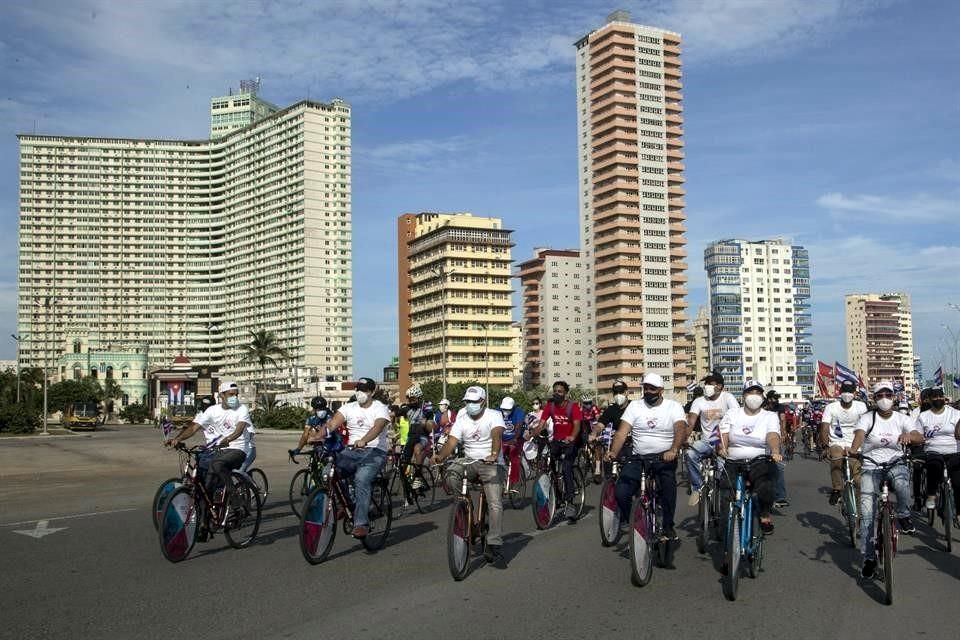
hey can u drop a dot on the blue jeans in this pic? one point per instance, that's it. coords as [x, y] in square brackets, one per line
[251, 456]
[871, 482]
[697, 452]
[363, 465]
[665, 474]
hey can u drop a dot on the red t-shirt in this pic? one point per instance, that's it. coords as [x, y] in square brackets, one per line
[562, 425]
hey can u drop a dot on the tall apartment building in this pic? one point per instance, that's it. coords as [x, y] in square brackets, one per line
[880, 337]
[185, 246]
[701, 344]
[238, 110]
[631, 207]
[554, 332]
[454, 295]
[760, 319]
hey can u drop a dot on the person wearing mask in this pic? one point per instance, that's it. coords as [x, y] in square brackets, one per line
[514, 424]
[709, 409]
[445, 415]
[940, 426]
[748, 432]
[880, 434]
[315, 421]
[656, 426]
[917, 452]
[565, 417]
[837, 426]
[610, 418]
[774, 405]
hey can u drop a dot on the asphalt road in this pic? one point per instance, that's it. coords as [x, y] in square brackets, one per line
[102, 575]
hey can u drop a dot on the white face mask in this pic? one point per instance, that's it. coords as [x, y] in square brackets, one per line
[620, 399]
[362, 397]
[474, 408]
[753, 401]
[885, 404]
[709, 390]
[847, 398]
[321, 413]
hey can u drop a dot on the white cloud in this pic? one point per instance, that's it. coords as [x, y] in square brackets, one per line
[919, 208]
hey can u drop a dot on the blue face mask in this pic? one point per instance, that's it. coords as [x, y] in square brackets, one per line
[233, 402]
[474, 408]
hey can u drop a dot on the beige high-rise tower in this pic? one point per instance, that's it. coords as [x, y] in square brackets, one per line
[880, 337]
[631, 213]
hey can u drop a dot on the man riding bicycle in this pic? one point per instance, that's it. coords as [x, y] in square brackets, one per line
[837, 427]
[514, 424]
[481, 431]
[565, 417]
[709, 409]
[366, 424]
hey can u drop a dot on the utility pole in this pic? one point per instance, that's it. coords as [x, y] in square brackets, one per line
[442, 275]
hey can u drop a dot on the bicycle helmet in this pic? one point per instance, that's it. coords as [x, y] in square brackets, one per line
[415, 391]
[318, 403]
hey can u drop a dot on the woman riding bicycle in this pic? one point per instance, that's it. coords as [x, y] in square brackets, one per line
[881, 434]
[940, 426]
[748, 432]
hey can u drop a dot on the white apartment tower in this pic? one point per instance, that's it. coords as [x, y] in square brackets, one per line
[631, 207]
[238, 109]
[186, 246]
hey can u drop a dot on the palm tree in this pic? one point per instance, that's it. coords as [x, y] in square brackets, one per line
[264, 349]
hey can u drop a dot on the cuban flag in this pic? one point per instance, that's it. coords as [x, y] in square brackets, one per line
[691, 387]
[898, 385]
[956, 382]
[938, 377]
[845, 374]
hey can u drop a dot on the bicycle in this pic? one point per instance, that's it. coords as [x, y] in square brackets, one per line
[945, 506]
[744, 537]
[468, 526]
[170, 484]
[305, 480]
[516, 491]
[333, 499]
[405, 475]
[848, 501]
[808, 442]
[708, 507]
[885, 540]
[609, 510]
[546, 495]
[237, 512]
[647, 540]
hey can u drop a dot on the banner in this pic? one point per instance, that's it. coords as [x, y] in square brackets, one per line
[826, 380]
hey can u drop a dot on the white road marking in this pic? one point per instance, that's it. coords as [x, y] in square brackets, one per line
[42, 529]
[76, 515]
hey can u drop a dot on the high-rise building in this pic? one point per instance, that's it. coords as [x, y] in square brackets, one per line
[701, 344]
[760, 315]
[631, 207]
[186, 246]
[880, 337]
[238, 110]
[553, 294]
[454, 295]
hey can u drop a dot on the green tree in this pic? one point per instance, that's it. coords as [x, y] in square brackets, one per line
[264, 349]
[63, 394]
[135, 413]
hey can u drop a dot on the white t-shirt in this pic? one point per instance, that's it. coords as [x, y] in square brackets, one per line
[652, 427]
[746, 434]
[843, 422]
[881, 444]
[361, 419]
[477, 435]
[218, 423]
[939, 431]
[711, 412]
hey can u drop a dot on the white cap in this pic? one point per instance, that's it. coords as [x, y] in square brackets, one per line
[444, 402]
[474, 394]
[752, 384]
[229, 385]
[507, 403]
[654, 380]
[883, 384]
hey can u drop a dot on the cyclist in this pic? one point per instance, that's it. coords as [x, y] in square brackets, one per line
[514, 423]
[565, 417]
[225, 426]
[745, 433]
[837, 424]
[481, 431]
[419, 416]
[940, 426]
[709, 409]
[590, 416]
[366, 421]
[774, 405]
[917, 452]
[881, 433]
[656, 425]
[445, 415]
[321, 414]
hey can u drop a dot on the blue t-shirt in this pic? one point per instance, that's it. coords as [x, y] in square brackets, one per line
[315, 421]
[514, 424]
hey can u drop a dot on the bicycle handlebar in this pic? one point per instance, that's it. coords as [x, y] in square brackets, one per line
[883, 465]
[644, 457]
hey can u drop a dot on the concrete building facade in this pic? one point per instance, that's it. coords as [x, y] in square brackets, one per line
[630, 155]
[238, 109]
[454, 293]
[880, 337]
[701, 344]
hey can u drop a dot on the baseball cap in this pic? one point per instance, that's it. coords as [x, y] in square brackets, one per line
[229, 385]
[752, 384]
[444, 403]
[619, 385]
[366, 384]
[848, 385]
[474, 394]
[507, 403]
[654, 380]
[883, 384]
[713, 378]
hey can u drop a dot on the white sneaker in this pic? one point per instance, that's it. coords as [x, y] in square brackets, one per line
[694, 499]
[417, 484]
[931, 503]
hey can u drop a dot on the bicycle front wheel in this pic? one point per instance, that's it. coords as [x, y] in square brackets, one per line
[641, 544]
[703, 519]
[178, 525]
[731, 558]
[318, 527]
[301, 486]
[756, 546]
[381, 516]
[543, 499]
[609, 513]
[244, 511]
[517, 491]
[160, 497]
[458, 539]
[850, 512]
[888, 533]
[260, 480]
[579, 492]
[948, 516]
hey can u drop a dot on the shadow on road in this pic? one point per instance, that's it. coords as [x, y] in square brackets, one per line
[836, 547]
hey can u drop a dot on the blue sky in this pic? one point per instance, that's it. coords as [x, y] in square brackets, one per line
[831, 123]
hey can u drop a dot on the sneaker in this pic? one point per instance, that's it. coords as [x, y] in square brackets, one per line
[781, 503]
[417, 483]
[869, 567]
[931, 503]
[360, 532]
[834, 497]
[570, 514]
[766, 527]
[492, 553]
[202, 534]
[906, 526]
[670, 533]
[694, 499]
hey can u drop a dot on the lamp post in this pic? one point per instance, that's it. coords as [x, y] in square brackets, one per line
[955, 353]
[438, 271]
[18, 339]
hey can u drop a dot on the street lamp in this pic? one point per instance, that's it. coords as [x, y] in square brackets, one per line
[18, 339]
[438, 271]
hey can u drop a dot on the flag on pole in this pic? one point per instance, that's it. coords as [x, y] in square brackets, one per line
[691, 387]
[826, 379]
[846, 374]
[822, 389]
[938, 377]
[956, 382]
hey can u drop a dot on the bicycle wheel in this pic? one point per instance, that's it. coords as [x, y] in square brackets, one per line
[579, 492]
[543, 499]
[517, 491]
[381, 516]
[888, 532]
[731, 558]
[178, 525]
[163, 492]
[458, 539]
[318, 528]
[609, 513]
[301, 486]
[424, 496]
[260, 480]
[850, 512]
[703, 519]
[756, 546]
[243, 513]
[948, 508]
[641, 544]
[396, 482]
